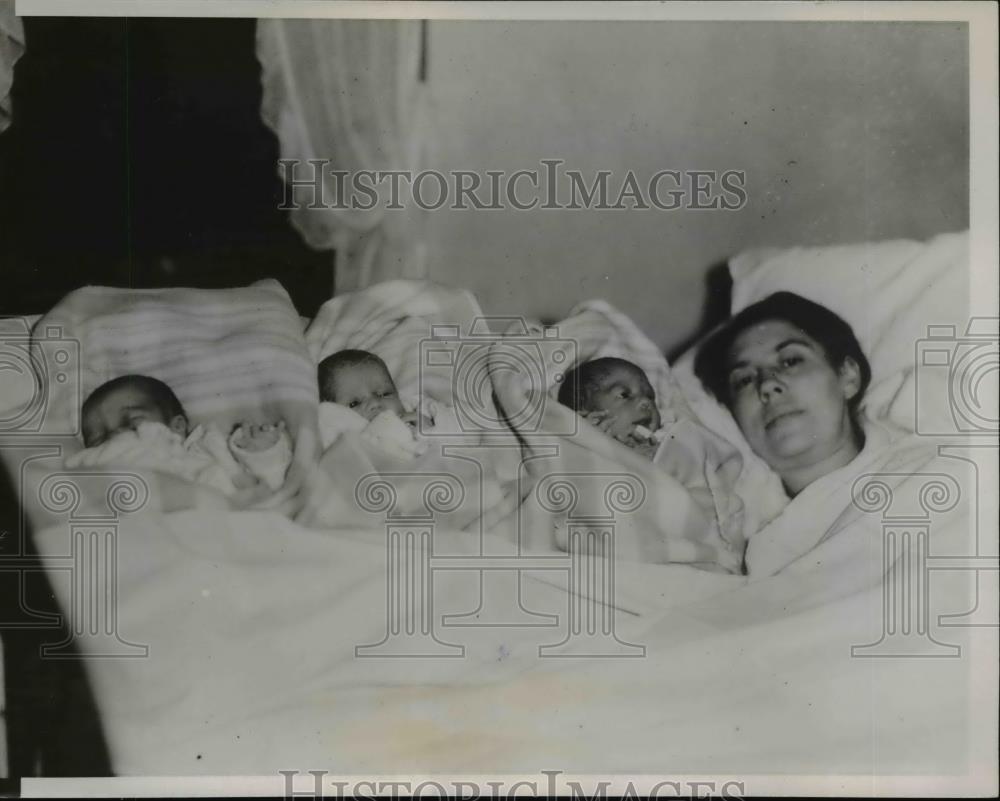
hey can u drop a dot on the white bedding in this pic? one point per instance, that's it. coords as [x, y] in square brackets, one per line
[251, 623]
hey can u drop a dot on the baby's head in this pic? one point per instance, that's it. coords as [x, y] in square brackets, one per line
[611, 385]
[121, 404]
[359, 380]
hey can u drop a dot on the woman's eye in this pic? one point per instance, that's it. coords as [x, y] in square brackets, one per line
[353, 404]
[791, 361]
[740, 381]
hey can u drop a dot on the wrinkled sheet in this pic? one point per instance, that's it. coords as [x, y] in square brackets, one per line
[252, 624]
[359, 482]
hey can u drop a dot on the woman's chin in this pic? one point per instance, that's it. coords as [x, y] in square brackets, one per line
[788, 445]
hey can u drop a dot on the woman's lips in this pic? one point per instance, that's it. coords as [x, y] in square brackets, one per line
[776, 417]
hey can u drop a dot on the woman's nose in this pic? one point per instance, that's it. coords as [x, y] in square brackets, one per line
[768, 385]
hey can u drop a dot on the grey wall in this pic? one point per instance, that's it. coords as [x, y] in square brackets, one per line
[846, 131]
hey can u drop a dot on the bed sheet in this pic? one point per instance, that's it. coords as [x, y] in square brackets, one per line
[243, 643]
[257, 646]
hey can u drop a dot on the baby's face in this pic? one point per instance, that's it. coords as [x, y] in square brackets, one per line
[123, 409]
[367, 388]
[628, 396]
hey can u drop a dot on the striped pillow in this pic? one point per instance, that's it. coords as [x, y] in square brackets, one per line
[228, 354]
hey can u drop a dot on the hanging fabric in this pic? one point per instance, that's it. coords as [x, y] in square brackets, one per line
[348, 93]
[11, 48]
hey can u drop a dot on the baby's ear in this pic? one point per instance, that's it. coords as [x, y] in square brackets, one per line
[179, 425]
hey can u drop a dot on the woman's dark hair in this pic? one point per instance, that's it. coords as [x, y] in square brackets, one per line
[711, 364]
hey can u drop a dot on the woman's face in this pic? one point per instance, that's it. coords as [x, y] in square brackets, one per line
[790, 403]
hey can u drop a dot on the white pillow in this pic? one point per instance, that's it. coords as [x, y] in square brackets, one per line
[889, 293]
[228, 354]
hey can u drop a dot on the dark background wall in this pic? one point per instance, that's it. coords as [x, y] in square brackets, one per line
[137, 157]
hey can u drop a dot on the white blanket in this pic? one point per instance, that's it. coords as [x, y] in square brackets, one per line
[361, 479]
[202, 457]
[244, 628]
[681, 507]
[252, 624]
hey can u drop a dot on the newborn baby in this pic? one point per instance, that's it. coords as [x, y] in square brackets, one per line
[357, 393]
[615, 396]
[360, 381]
[123, 403]
[138, 421]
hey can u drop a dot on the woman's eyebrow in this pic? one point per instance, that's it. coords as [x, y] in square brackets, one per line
[784, 343]
[793, 341]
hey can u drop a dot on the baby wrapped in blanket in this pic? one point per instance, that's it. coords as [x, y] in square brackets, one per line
[370, 434]
[357, 393]
[138, 421]
[616, 397]
[682, 475]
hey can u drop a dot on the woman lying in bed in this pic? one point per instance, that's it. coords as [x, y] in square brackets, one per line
[793, 375]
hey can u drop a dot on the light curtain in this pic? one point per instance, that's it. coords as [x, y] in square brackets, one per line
[348, 91]
[11, 48]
